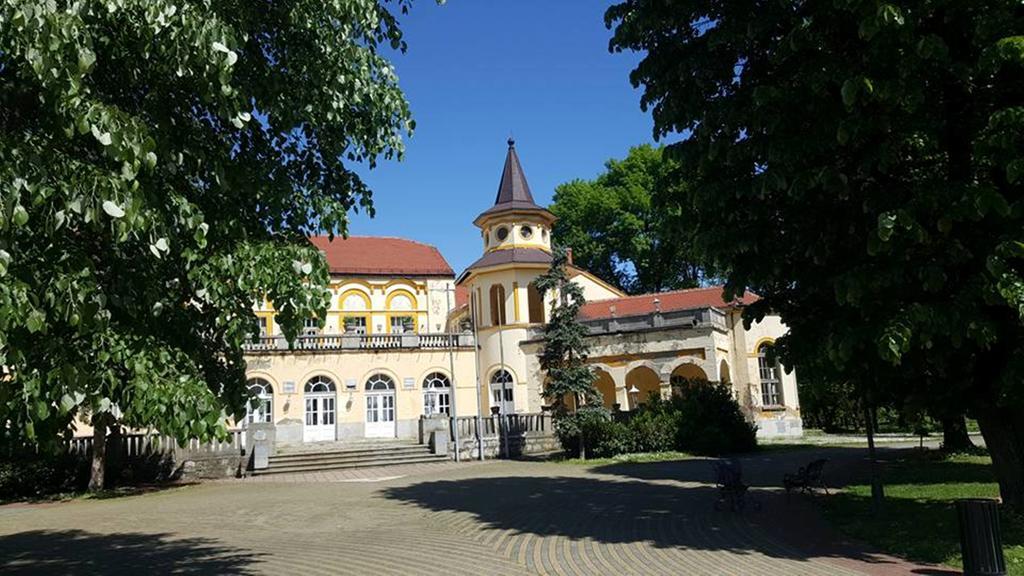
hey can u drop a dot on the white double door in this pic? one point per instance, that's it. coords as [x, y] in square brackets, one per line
[504, 398]
[380, 414]
[320, 418]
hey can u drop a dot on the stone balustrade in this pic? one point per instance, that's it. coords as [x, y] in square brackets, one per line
[329, 342]
[696, 318]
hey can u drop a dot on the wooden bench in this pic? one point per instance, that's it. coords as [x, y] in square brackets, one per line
[807, 478]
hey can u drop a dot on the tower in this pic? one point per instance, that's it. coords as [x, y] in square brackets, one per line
[504, 303]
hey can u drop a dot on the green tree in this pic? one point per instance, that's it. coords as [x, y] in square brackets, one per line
[620, 229]
[860, 164]
[161, 164]
[564, 355]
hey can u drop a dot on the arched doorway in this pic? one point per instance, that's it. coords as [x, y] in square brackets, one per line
[723, 373]
[503, 391]
[606, 387]
[263, 411]
[380, 406]
[646, 382]
[437, 397]
[684, 374]
[319, 394]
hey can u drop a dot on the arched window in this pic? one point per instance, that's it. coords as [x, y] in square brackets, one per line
[379, 382]
[264, 409]
[498, 305]
[536, 303]
[502, 391]
[437, 394]
[319, 385]
[770, 372]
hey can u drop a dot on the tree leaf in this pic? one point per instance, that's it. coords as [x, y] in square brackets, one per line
[112, 209]
[35, 321]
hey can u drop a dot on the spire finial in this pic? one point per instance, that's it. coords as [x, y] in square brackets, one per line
[511, 141]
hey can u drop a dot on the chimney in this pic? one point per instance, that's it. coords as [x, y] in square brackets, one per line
[568, 256]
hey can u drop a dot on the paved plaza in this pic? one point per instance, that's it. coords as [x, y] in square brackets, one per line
[476, 518]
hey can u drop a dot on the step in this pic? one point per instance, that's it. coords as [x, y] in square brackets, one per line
[384, 456]
[380, 457]
[336, 445]
[354, 452]
[298, 468]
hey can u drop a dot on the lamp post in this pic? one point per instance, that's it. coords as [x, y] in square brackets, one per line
[634, 396]
[502, 429]
[476, 368]
[451, 369]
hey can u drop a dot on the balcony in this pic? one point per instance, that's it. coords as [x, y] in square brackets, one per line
[343, 342]
[697, 318]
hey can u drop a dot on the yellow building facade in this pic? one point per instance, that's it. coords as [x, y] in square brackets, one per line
[405, 337]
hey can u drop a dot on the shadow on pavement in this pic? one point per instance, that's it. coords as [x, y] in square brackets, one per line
[667, 504]
[80, 552]
[611, 511]
[760, 469]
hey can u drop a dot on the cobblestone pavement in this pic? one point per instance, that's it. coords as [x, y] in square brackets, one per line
[476, 518]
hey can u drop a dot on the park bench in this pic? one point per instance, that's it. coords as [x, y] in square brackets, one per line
[732, 491]
[807, 478]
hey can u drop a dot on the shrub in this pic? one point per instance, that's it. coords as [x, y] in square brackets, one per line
[654, 428]
[32, 475]
[703, 419]
[603, 436]
[710, 421]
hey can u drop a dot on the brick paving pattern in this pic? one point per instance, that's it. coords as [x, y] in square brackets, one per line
[474, 518]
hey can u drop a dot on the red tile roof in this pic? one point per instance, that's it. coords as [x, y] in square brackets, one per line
[677, 300]
[381, 256]
[461, 296]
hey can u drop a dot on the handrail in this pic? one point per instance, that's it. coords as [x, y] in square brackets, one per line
[151, 443]
[433, 341]
[491, 426]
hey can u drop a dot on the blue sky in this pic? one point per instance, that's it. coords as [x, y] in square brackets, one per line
[478, 70]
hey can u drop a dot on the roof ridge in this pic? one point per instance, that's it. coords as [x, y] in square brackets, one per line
[375, 237]
[649, 294]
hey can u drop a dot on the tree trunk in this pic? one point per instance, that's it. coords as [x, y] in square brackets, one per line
[583, 441]
[99, 453]
[877, 491]
[1003, 430]
[954, 434]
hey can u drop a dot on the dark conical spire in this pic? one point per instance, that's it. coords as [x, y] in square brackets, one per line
[513, 186]
[513, 191]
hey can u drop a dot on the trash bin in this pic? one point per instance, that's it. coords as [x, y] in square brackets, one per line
[981, 540]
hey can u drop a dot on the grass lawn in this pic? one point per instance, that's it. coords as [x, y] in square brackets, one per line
[919, 521]
[638, 458]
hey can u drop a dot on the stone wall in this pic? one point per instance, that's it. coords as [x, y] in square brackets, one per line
[161, 458]
[211, 466]
[525, 444]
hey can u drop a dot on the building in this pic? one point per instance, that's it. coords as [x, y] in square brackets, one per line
[404, 337]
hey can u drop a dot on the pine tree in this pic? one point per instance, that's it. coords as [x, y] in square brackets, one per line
[564, 355]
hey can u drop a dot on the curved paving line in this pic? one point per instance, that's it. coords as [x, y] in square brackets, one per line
[418, 554]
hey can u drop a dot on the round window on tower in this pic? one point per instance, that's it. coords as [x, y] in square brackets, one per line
[526, 232]
[502, 233]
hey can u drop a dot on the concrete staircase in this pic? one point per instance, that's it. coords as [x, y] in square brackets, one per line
[339, 456]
